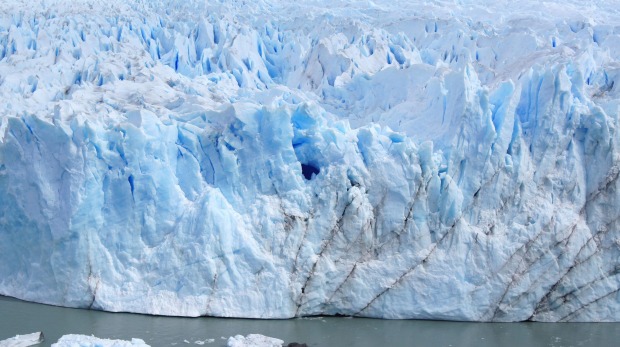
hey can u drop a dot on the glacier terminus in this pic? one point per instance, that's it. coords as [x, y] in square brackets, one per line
[454, 160]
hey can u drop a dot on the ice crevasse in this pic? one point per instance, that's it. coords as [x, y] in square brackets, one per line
[275, 160]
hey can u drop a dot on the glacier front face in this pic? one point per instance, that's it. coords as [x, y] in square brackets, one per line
[274, 160]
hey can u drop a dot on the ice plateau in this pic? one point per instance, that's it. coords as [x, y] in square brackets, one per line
[449, 160]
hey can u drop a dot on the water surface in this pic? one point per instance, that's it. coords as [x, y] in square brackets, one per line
[19, 317]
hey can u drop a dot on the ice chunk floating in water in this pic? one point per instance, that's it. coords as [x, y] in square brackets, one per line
[23, 340]
[254, 340]
[274, 160]
[74, 340]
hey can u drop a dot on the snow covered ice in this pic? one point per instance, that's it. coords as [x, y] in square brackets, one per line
[271, 160]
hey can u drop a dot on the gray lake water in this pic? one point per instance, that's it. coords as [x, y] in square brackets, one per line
[19, 317]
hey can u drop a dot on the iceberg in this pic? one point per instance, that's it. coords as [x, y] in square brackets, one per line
[276, 160]
[23, 340]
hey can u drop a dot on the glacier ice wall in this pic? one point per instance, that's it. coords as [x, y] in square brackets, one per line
[275, 160]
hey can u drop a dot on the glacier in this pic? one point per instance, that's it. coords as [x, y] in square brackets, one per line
[453, 160]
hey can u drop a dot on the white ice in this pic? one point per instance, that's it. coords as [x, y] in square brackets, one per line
[253, 340]
[23, 340]
[75, 340]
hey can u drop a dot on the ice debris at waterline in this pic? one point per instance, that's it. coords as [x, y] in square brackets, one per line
[23, 340]
[253, 340]
[74, 340]
[275, 160]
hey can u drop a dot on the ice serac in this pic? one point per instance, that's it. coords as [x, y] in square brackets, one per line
[276, 160]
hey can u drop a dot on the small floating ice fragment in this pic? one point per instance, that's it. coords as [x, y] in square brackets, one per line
[23, 340]
[254, 340]
[74, 340]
